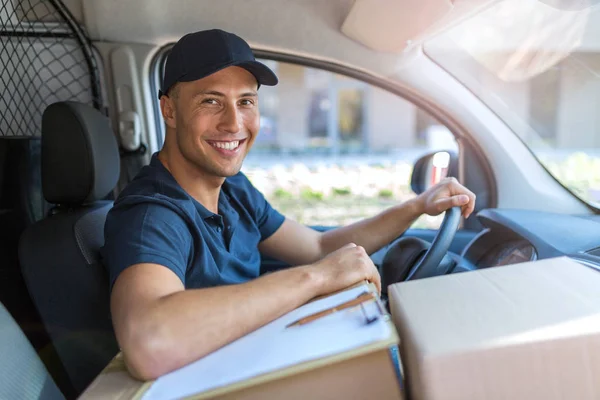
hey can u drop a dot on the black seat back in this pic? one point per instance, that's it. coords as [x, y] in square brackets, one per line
[59, 255]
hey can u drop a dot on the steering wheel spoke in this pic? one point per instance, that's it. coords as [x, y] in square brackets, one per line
[413, 258]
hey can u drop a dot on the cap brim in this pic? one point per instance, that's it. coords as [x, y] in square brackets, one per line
[263, 74]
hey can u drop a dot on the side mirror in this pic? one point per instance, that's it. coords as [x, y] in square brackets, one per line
[432, 168]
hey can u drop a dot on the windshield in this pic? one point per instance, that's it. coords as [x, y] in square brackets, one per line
[537, 66]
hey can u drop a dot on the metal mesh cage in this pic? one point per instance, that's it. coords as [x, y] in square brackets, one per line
[45, 57]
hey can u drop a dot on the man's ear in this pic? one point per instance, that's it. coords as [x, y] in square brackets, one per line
[167, 108]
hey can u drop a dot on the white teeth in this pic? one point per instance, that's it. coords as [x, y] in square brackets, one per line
[227, 145]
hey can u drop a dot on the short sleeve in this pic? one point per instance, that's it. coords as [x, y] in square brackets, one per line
[145, 233]
[266, 217]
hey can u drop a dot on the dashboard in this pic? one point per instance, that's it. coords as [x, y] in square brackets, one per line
[514, 236]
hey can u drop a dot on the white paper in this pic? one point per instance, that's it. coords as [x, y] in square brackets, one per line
[274, 347]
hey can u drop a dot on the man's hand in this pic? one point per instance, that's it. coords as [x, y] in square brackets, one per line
[446, 194]
[344, 267]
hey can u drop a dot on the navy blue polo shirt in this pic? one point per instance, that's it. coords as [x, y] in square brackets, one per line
[155, 221]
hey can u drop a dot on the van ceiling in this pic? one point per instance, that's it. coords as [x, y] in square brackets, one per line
[359, 33]
[311, 27]
[296, 26]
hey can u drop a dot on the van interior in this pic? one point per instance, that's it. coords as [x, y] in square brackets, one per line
[377, 100]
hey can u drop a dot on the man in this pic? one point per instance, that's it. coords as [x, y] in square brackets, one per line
[183, 239]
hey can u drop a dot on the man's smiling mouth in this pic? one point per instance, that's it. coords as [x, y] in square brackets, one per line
[226, 145]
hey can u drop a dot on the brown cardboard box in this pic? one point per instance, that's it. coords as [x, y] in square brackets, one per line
[363, 375]
[525, 331]
[366, 372]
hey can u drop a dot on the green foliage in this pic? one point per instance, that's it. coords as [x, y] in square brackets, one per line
[386, 193]
[341, 191]
[280, 193]
[311, 195]
[580, 173]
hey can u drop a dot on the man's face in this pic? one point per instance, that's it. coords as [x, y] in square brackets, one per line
[217, 120]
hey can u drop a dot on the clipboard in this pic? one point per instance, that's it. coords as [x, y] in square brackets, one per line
[368, 371]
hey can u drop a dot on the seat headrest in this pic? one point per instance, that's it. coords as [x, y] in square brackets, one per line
[80, 156]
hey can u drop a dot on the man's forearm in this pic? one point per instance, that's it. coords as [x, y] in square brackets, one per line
[375, 232]
[186, 325]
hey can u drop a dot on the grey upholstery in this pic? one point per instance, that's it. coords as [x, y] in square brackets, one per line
[80, 156]
[59, 255]
[22, 374]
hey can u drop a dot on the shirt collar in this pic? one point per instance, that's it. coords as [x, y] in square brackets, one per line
[203, 211]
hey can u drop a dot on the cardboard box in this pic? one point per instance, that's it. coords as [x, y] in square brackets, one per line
[364, 372]
[363, 376]
[524, 331]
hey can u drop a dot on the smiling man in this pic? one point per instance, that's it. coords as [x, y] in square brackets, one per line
[183, 239]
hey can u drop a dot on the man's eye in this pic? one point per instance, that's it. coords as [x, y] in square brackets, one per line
[210, 101]
[247, 102]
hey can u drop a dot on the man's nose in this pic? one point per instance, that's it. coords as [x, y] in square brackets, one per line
[230, 120]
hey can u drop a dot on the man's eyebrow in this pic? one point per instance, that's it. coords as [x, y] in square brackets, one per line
[219, 94]
[208, 93]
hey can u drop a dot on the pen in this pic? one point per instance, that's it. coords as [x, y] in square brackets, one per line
[349, 304]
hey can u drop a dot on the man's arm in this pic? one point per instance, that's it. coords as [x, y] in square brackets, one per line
[297, 244]
[161, 327]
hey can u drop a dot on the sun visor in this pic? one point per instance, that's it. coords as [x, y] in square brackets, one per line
[389, 25]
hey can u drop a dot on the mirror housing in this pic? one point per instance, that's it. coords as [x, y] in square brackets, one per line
[432, 168]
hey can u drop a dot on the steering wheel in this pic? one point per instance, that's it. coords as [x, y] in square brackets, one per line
[413, 258]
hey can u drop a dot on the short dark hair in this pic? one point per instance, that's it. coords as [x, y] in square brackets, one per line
[173, 91]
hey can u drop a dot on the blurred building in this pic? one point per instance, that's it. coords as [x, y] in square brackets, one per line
[315, 111]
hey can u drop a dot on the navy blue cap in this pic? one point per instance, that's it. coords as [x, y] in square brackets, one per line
[199, 54]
